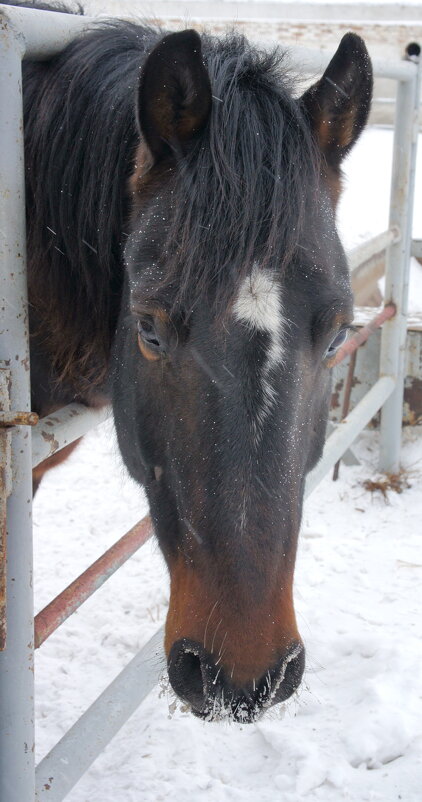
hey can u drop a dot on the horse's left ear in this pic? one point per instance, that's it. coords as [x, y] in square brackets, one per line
[174, 93]
[338, 104]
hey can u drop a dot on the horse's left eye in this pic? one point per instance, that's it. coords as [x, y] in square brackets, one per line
[146, 330]
[152, 339]
[335, 344]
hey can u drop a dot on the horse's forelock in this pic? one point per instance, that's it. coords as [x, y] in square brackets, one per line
[240, 193]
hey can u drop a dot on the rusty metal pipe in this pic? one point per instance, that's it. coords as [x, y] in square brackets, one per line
[18, 418]
[50, 618]
[363, 334]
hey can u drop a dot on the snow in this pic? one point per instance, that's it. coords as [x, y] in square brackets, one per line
[354, 729]
[364, 213]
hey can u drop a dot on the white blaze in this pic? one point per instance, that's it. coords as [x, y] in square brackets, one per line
[258, 306]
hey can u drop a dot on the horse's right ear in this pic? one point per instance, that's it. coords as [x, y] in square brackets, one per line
[174, 94]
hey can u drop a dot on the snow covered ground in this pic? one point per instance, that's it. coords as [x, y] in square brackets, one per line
[354, 730]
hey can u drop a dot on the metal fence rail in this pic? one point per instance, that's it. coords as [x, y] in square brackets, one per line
[26, 33]
[63, 427]
[69, 600]
[61, 769]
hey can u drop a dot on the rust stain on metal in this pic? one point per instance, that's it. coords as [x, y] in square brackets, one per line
[412, 413]
[335, 395]
[47, 621]
[49, 438]
[18, 418]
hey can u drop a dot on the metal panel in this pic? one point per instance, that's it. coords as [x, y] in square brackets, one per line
[16, 661]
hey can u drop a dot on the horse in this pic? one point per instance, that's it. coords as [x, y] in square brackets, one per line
[184, 264]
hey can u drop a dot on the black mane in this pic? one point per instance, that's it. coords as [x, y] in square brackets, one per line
[81, 133]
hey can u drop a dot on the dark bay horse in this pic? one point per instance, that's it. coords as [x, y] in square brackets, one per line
[184, 263]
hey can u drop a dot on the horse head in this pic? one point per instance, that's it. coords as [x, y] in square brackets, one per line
[236, 298]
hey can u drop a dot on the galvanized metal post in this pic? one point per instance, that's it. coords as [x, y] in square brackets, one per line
[5, 490]
[16, 662]
[393, 341]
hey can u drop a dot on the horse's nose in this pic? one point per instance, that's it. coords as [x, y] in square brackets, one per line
[197, 679]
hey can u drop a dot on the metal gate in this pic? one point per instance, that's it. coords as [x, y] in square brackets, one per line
[24, 442]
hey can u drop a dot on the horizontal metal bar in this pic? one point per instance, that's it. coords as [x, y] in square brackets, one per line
[50, 618]
[358, 339]
[61, 769]
[365, 251]
[63, 427]
[347, 431]
[315, 61]
[349, 457]
[41, 34]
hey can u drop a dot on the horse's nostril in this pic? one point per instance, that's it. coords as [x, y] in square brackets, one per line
[187, 667]
[286, 677]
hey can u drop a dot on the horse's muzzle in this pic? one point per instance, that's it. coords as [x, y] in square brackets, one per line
[197, 679]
